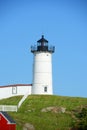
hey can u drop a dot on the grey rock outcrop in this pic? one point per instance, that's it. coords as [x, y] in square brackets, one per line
[54, 109]
[28, 126]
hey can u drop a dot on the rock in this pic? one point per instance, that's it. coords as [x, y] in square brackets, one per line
[47, 109]
[63, 109]
[54, 109]
[28, 126]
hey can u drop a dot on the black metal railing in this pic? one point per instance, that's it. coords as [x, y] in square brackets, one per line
[43, 48]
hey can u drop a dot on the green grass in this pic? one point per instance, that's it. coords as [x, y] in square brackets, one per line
[30, 111]
[11, 100]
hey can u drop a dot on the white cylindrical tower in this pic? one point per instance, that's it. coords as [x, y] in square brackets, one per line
[42, 67]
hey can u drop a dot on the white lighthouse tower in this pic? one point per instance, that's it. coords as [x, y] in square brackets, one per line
[42, 67]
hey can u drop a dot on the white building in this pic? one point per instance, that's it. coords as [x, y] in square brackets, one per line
[42, 73]
[14, 90]
[42, 67]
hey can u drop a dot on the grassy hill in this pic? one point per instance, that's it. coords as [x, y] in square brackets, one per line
[31, 111]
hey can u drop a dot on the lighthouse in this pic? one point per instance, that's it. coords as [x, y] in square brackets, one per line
[42, 67]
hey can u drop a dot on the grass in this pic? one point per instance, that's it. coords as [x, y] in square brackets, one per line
[30, 111]
[10, 101]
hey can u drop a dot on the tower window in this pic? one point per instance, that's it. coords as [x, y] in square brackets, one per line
[45, 89]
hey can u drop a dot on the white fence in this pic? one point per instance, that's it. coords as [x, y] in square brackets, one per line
[13, 108]
[8, 108]
[23, 99]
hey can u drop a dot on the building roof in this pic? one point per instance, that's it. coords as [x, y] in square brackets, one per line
[8, 118]
[42, 40]
[14, 85]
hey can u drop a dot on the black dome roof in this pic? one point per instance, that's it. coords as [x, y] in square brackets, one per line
[42, 40]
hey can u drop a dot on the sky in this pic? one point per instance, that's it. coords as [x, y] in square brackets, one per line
[63, 23]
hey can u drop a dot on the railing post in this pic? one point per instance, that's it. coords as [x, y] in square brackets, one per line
[3, 108]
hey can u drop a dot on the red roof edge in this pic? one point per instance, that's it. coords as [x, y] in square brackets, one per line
[14, 85]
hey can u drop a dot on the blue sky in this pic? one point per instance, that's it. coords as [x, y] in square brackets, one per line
[64, 25]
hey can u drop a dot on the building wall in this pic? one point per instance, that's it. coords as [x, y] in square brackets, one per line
[4, 124]
[9, 91]
[42, 73]
[12, 127]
